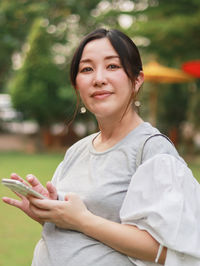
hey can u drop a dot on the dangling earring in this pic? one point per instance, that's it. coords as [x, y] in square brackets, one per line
[83, 110]
[137, 103]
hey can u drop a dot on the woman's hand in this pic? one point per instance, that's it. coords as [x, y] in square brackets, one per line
[72, 214]
[24, 204]
[68, 214]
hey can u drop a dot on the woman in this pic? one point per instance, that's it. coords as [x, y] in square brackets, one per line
[84, 226]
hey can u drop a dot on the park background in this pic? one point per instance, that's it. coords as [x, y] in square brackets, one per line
[37, 102]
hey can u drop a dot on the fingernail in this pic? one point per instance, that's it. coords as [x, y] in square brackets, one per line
[29, 177]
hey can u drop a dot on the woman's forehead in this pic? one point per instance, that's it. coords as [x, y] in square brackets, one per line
[99, 47]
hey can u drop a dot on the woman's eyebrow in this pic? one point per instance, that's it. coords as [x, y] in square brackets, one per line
[88, 60]
[112, 56]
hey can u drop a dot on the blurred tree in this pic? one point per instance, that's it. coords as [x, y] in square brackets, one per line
[165, 30]
[38, 89]
[194, 108]
[17, 17]
[173, 30]
[171, 115]
[174, 27]
[168, 30]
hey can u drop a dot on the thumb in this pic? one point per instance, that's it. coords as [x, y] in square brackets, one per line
[52, 191]
[66, 198]
[69, 196]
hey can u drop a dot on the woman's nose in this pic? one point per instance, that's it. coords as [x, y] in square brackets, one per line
[99, 78]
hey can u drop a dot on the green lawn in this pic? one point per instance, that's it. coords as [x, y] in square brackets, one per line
[18, 233]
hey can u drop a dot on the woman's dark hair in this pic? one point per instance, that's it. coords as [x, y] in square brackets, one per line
[123, 45]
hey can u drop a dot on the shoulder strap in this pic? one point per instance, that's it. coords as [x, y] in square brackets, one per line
[141, 148]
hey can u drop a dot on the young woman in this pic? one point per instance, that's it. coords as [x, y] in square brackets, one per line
[87, 218]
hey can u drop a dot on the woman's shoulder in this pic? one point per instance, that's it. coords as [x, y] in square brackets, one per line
[158, 143]
[81, 144]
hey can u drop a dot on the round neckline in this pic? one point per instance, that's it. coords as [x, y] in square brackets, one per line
[133, 131]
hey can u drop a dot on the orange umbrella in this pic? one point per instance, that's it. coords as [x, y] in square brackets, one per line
[156, 73]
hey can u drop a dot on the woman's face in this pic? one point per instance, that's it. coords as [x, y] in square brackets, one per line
[104, 87]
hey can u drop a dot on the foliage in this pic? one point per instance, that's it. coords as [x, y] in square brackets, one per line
[17, 17]
[40, 88]
[171, 115]
[194, 110]
[172, 27]
[171, 30]
[37, 89]
[167, 31]
[15, 21]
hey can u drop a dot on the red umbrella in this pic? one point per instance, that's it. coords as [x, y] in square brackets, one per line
[192, 67]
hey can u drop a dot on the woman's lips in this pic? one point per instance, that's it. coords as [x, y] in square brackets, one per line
[101, 94]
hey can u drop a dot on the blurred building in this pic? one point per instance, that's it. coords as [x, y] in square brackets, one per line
[11, 121]
[7, 112]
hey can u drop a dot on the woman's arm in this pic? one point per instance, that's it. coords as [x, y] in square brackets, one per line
[127, 239]
[72, 214]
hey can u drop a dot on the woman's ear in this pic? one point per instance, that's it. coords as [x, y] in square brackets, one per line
[138, 82]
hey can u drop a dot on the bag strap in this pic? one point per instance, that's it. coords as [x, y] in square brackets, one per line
[141, 148]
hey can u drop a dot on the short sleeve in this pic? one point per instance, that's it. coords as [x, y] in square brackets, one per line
[158, 145]
[164, 199]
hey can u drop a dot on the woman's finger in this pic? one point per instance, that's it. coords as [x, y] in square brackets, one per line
[19, 195]
[35, 183]
[17, 177]
[52, 191]
[33, 180]
[12, 202]
[42, 214]
[44, 204]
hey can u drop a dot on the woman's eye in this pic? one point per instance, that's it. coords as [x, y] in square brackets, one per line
[86, 69]
[113, 66]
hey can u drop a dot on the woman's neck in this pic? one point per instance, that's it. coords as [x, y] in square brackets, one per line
[113, 131]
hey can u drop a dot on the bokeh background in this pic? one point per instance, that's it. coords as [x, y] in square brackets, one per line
[37, 102]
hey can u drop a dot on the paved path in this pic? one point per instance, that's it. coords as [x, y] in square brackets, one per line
[12, 142]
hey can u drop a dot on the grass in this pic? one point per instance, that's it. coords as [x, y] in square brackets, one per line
[18, 233]
[195, 167]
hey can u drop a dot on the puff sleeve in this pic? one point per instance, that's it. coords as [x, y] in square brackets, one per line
[163, 198]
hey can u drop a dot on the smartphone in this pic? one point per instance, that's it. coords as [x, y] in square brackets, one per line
[21, 188]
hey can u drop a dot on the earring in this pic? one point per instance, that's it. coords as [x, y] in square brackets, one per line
[137, 103]
[83, 110]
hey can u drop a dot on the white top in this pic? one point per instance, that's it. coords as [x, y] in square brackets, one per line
[104, 180]
[164, 199]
